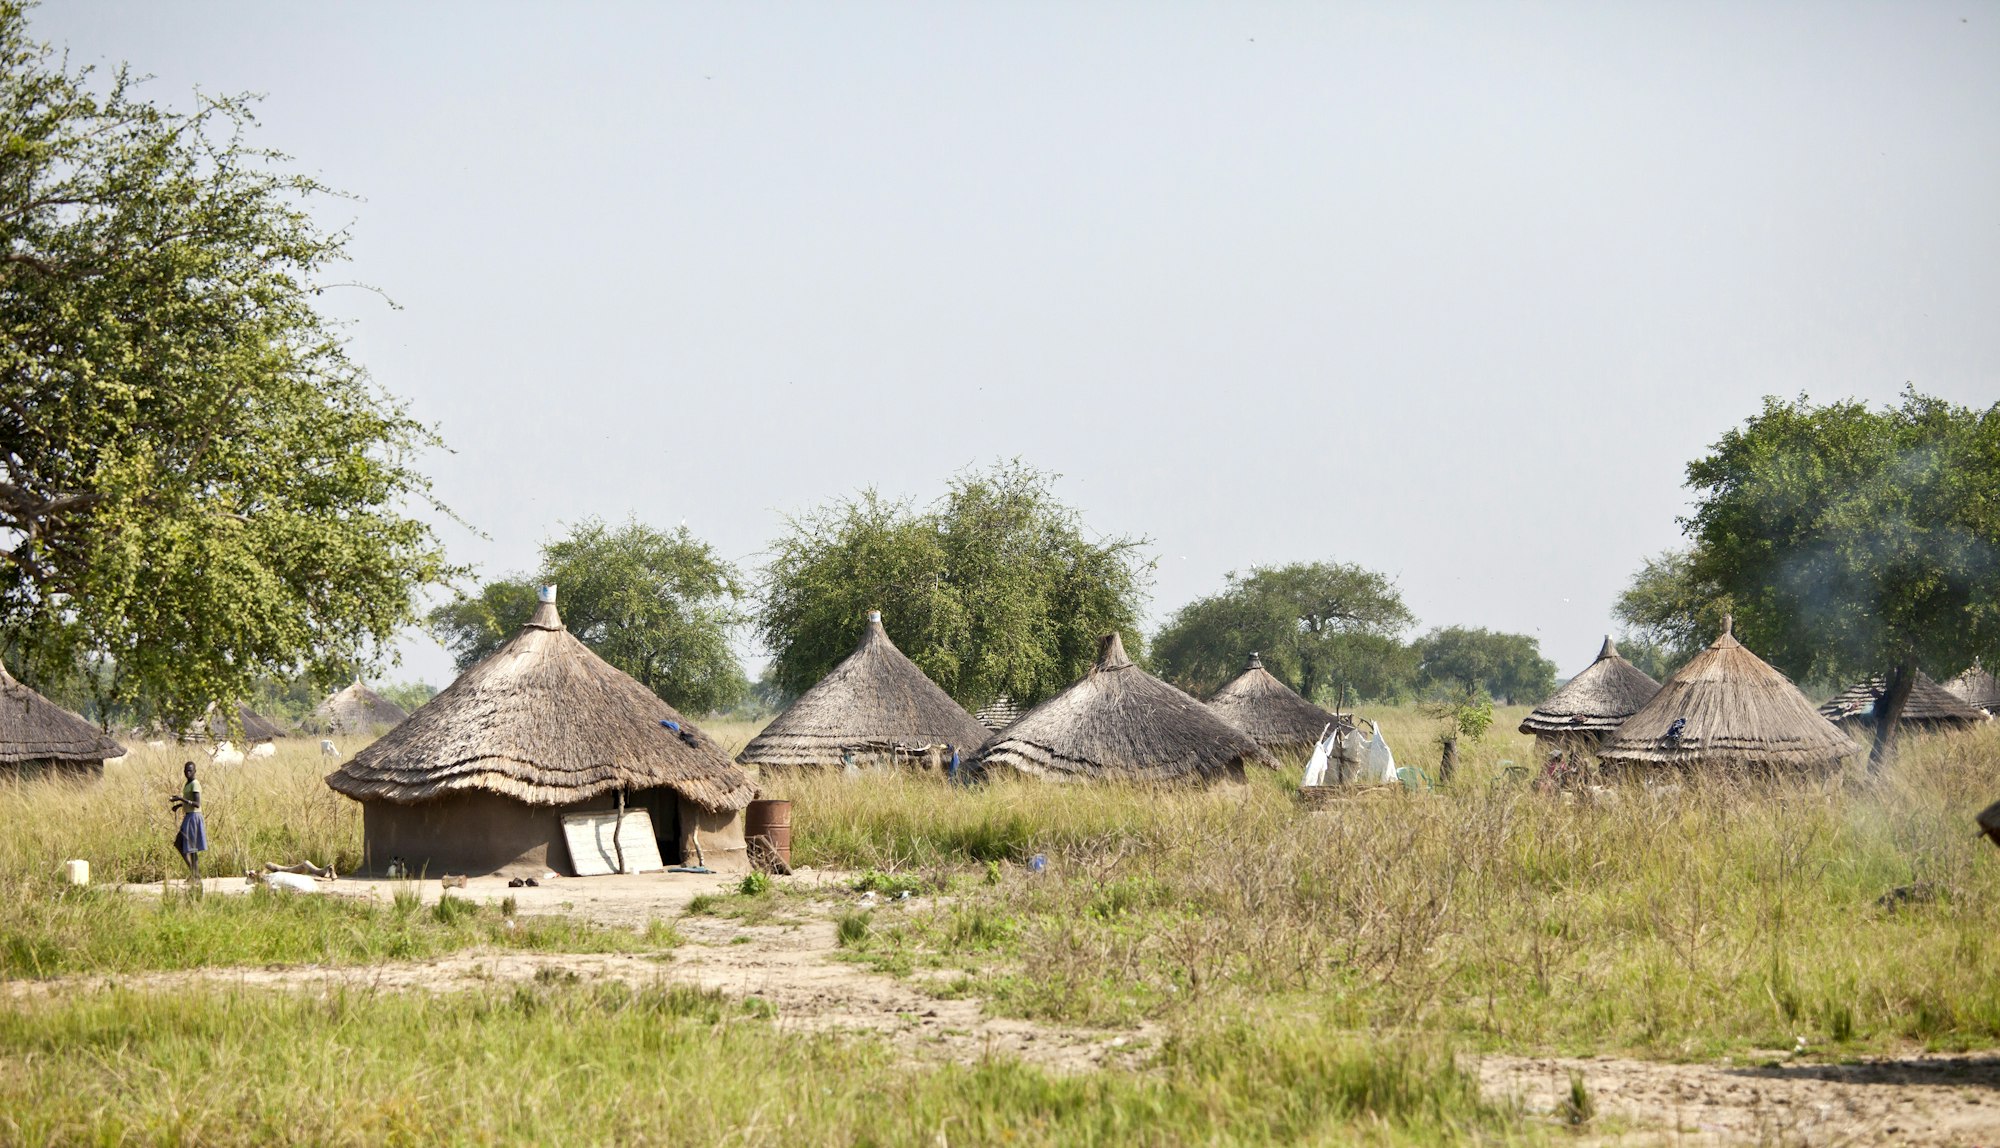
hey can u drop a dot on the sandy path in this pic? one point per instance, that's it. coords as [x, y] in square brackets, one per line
[1921, 1100]
[796, 968]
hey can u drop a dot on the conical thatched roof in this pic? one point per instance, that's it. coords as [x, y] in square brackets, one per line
[1269, 711]
[1976, 688]
[1596, 701]
[997, 714]
[1728, 707]
[37, 731]
[874, 702]
[545, 721]
[1121, 722]
[357, 710]
[1929, 704]
[256, 727]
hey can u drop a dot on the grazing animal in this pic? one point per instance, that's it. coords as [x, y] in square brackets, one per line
[225, 754]
[264, 749]
[328, 749]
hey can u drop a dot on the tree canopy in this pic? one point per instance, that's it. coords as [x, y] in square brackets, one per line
[1327, 629]
[1853, 542]
[994, 589]
[200, 487]
[1467, 659]
[659, 606]
[1670, 612]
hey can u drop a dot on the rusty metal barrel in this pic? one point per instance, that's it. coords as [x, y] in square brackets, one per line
[772, 821]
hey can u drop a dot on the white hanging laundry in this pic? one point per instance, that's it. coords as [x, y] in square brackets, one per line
[1381, 763]
[1350, 754]
[1316, 766]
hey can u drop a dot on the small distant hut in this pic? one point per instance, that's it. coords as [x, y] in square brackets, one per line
[256, 727]
[480, 779]
[1591, 704]
[1978, 689]
[875, 708]
[997, 714]
[357, 711]
[1727, 708]
[1121, 723]
[1930, 706]
[1274, 715]
[39, 737]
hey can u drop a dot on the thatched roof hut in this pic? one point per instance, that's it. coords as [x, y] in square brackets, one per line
[1728, 707]
[1593, 703]
[479, 778]
[357, 710]
[38, 736]
[997, 714]
[256, 727]
[1978, 689]
[1929, 705]
[1267, 709]
[1120, 722]
[875, 705]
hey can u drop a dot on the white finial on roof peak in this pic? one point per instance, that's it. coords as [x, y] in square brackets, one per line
[547, 593]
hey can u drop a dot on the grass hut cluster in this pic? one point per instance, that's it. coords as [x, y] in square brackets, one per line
[1120, 722]
[479, 779]
[875, 707]
[1727, 707]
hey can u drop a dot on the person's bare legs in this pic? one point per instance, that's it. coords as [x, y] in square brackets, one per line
[194, 871]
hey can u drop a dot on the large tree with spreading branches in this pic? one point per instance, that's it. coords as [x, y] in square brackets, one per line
[198, 486]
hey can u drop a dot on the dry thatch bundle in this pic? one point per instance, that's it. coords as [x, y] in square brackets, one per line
[37, 735]
[1727, 707]
[1120, 722]
[544, 721]
[875, 704]
[1976, 688]
[357, 710]
[1269, 711]
[1929, 705]
[997, 714]
[1593, 703]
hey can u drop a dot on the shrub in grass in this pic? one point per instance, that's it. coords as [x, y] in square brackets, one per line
[755, 884]
[851, 929]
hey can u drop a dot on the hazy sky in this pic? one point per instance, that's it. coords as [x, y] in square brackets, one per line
[1453, 291]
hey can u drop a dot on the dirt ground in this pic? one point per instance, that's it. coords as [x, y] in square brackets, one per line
[1922, 1100]
[1777, 1099]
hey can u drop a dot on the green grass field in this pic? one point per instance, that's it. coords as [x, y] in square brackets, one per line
[1313, 975]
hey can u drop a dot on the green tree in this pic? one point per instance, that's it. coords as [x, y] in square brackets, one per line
[658, 605]
[198, 486]
[1327, 629]
[1671, 611]
[994, 589]
[474, 625]
[1854, 541]
[1506, 666]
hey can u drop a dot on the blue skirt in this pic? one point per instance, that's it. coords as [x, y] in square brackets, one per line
[193, 837]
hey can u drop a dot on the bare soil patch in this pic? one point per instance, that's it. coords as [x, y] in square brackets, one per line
[1921, 1100]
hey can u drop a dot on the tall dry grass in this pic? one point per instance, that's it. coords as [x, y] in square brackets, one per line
[272, 809]
[1678, 920]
